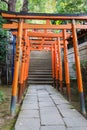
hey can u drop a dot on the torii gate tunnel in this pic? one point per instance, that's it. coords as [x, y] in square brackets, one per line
[41, 37]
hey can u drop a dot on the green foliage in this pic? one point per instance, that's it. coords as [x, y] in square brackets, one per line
[42, 6]
[51, 6]
[2, 96]
[19, 4]
[3, 5]
[83, 65]
[3, 42]
[71, 6]
[74, 67]
[2, 21]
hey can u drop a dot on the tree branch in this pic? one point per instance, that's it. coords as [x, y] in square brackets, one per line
[5, 1]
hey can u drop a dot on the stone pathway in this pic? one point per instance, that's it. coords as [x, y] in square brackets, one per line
[45, 109]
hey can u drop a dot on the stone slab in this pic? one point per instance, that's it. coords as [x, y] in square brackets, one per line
[43, 96]
[70, 113]
[31, 98]
[29, 114]
[53, 128]
[29, 106]
[45, 99]
[65, 106]
[61, 101]
[26, 101]
[46, 104]
[75, 122]
[57, 96]
[28, 124]
[50, 116]
[77, 128]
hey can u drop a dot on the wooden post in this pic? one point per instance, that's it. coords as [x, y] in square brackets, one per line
[78, 68]
[21, 78]
[13, 52]
[28, 56]
[16, 69]
[56, 66]
[25, 69]
[55, 63]
[67, 77]
[53, 68]
[60, 66]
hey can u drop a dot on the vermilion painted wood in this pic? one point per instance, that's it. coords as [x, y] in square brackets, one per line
[16, 69]
[43, 26]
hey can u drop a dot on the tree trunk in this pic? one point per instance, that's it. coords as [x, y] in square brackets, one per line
[11, 4]
[25, 6]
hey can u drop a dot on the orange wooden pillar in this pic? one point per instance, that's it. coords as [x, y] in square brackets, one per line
[55, 63]
[26, 44]
[56, 66]
[25, 62]
[53, 67]
[21, 81]
[67, 76]
[16, 67]
[28, 56]
[60, 66]
[78, 68]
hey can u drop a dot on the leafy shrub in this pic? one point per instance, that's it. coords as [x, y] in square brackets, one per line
[3, 41]
[83, 69]
[2, 96]
[83, 65]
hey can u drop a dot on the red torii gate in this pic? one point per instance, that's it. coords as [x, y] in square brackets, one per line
[73, 26]
[47, 46]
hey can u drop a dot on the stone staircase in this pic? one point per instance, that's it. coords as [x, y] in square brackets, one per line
[40, 68]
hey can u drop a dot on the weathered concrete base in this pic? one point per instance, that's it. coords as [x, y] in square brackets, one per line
[46, 109]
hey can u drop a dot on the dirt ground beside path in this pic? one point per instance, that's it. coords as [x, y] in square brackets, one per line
[6, 121]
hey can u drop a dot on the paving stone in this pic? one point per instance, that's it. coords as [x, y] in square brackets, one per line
[77, 128]
[29, 114]
[45, 99]
[53, 128]
[30, 91]
[50, 116]
[57, 96]
[65, 106]
[46, 104]
[30, 100]
[27, 124]
[75, 122]
[61, 101]
[70, 113]
[42, 93]
[29, 106]
[43, 96]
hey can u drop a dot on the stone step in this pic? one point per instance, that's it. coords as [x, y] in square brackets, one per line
[40, 68]
[42, 76]
[40, 79]
[40, 82]
[40, 73]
